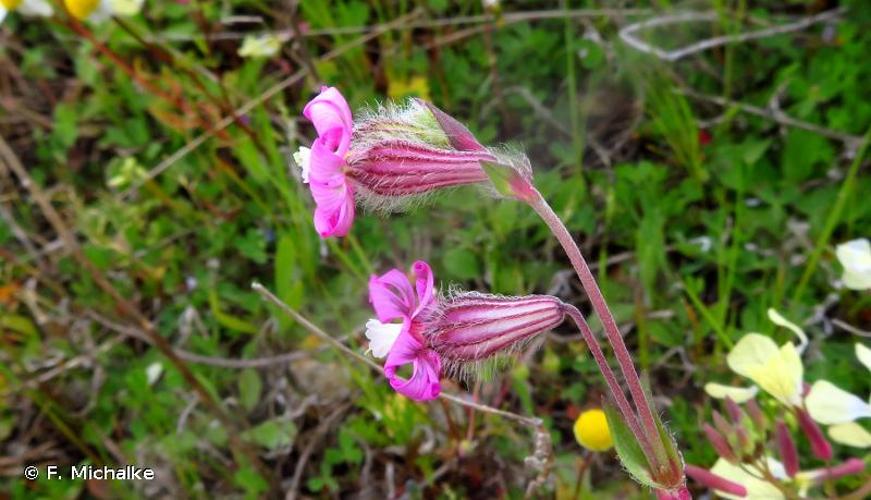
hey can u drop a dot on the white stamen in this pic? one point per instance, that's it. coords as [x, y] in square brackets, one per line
[381, 336]
[303, 159]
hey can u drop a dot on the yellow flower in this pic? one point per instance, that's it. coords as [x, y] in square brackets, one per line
[100, 10]
[10, 4]
[776, 370]
[260, 46]
[417, 86]
[591, 430]
[81, 9]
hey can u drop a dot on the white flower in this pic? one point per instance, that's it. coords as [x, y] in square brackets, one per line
[705, 243]
[829, 404]
[864, 355]
[30, 8]
[381, 336]
[855, 256]
[153, 372]
[260, 46]
[303, 159]
[850, 434]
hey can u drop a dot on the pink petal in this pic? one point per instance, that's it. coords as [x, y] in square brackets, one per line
[424, 383]
[424, 285]
[334, 218]
[333, 196]
[324, 165]
[329, 111]
[391, 296]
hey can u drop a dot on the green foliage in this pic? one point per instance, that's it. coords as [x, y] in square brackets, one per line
[692, 241]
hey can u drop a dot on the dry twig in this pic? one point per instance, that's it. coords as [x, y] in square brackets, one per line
[627, 34]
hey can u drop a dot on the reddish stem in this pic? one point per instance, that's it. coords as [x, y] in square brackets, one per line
[624, 359]
[616, 391]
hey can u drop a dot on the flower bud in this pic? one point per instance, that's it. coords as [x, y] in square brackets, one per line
[744, 442]
[400, 167]
[715, 482]
[788, 451]
[820, 446]
[473, 326]
[402, 151]
[756, 415]
[720, 444]
[723, 426]
[849, 467]
[735, 412]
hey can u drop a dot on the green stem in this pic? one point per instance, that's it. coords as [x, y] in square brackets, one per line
[833, 218]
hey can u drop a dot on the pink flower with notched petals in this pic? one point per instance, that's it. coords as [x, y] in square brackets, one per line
[389, 156]
[323, 165]
[393, 298]
[416, 328]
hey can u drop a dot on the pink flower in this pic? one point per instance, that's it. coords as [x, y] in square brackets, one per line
[473, 326]
[323, 165]
[393, 298]
[397, 168]
[390, 155]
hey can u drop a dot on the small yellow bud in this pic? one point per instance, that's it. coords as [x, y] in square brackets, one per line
[591, 430]
[81, 9]
[10, 4]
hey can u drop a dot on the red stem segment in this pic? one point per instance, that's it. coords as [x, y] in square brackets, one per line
[616, 391]
[612, 333]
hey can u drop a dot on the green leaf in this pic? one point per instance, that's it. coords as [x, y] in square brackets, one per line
[272, 434]
[288, 284]
[228, 320]
[630, 452]
[462, 263]
[802, 151]
[65, 125]
[250, 387]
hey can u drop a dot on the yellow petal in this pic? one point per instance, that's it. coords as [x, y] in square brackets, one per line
[81, 9]
[779, 320]
[776, 371]
[736, 394]
[850, 434]
[864, 355]
[10, 4]
[829, 404]
[260, 46]
[126, 7]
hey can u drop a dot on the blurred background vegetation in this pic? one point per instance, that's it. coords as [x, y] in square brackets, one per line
[157, 186]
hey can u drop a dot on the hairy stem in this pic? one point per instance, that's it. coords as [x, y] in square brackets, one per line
[614, 386]
[612, 333]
